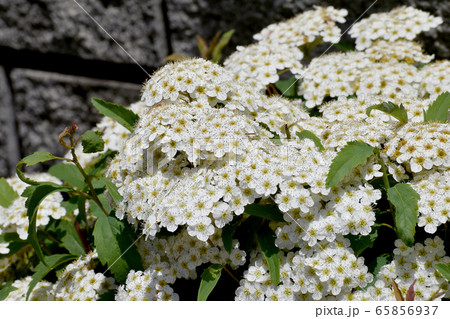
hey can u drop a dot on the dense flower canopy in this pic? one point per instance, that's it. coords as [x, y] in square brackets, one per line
[219, 148]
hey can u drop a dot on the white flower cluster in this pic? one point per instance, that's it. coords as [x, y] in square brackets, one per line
[149, 285]
[277, 112]
[262, 63]
[204, 85]
[216, 158]
[13, 219]
[326, 270]
[77, 282]
[385, 65]
[409, 264]
[356, 109]
[400, 50]
[388, 78]
[41, 292]
[345, 210]
[206, 82]
[193, 128]
[210, 142]
[344, 74]
[400, 23]
[345, 120]
[278, 47]
[434, 205]
[421, 146]
[435, 79]
[174, 257]
[304, 28]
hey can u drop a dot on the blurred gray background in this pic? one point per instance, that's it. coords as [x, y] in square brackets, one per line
[54, 58]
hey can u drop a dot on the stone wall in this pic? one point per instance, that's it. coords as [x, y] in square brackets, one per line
[57, 54]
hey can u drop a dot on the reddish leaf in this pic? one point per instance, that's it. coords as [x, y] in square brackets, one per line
[436, 295]
[411, 294]
[397, 293]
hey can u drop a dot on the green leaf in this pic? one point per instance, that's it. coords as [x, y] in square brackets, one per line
[287, 88]
[350, 156]
[270, 212]
[344, 46]
[68, 173]
[14, 243]
[202, 47]
[375, 266]
[99, 166]
[68, 235]
[122, 115]
[228, 232]
[210, 277]
[175, 57]
[310, 135]
[390, 108]
[30, 160]
[50, 263]
[34, 200]
[405, 200]
[98, 182]
[107, 296]
[92, 142]
[444, 269]
[71, 204]
[246, 232]
[112, 189]
[218, 48]
[276, 139]
[81, 205]
[96, 210]
[6, 290]
[115, 247]
[438, 111]
[7, 193]
[359, 243]
[266, 239]
[38, 157]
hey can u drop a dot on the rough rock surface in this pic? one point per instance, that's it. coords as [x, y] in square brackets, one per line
[62, 27]
[187, 18]
[9, 150]
[47, 102]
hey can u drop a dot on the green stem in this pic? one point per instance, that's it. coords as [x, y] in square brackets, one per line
[49, 236]
[45, 249]
[387, 225]
[76, 191]
[282, 71]
[86, 177]
[86, 247]
[229, 272]
[82, 213]
[308, 47]
[288, 134]
[385, 177]
[271, 89]
[226, 267]
[22, 272]
[445, 232]
[383, 169]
